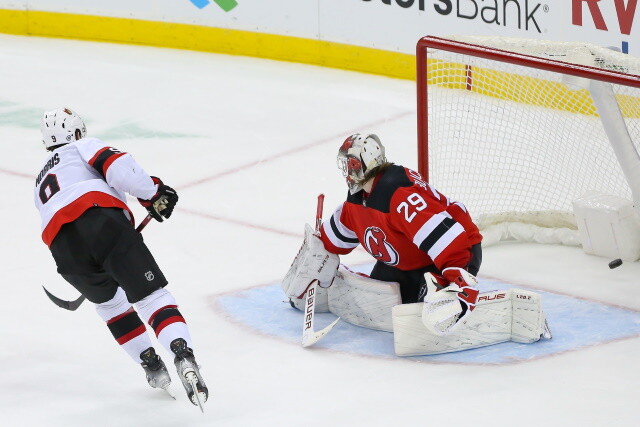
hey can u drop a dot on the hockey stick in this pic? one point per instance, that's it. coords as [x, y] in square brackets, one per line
[309, 336]
[73, 305]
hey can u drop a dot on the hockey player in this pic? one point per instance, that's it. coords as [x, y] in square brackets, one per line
[408, 227]
[88, 228]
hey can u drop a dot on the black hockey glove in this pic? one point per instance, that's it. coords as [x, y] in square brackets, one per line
[161, 205]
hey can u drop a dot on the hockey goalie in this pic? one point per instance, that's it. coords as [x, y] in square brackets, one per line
[427, 251]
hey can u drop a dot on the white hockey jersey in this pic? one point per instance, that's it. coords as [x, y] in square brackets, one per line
[85, 174]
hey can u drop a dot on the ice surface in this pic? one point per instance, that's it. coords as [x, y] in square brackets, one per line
[248, 144]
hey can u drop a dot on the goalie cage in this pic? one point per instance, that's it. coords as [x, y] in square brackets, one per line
[510, 127]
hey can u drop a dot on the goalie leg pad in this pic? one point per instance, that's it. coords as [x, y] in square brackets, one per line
[499, 316]
[363, 301]
[529, 323]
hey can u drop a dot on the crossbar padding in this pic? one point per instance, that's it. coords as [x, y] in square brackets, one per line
[363, 301]
[499, 316]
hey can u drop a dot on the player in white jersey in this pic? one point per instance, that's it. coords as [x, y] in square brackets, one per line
[87, 225]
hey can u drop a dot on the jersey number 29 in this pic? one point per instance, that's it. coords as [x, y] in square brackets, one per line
[417, 204]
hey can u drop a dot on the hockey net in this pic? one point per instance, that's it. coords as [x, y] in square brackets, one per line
[510, 128]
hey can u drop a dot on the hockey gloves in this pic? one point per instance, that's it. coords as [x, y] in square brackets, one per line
[313, 262]
[161, 205]
[449, 301]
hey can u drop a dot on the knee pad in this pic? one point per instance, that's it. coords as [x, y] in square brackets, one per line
[114, 307]
[157, 300]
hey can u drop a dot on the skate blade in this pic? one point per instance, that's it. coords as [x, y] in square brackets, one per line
[169, 391]
[196, 398]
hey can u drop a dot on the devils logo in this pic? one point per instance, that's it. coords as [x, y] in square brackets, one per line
[375, 241]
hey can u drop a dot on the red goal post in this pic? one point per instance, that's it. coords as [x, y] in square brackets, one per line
[516, 129]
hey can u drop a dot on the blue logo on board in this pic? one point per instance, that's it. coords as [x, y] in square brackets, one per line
[225, 5]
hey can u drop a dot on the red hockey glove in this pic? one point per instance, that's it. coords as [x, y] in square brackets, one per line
[462, 282]
[447, 306]
[161, 205]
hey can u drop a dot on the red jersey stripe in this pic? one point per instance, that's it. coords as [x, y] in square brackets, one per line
[95, 156]
[109, 161]
[73, 210]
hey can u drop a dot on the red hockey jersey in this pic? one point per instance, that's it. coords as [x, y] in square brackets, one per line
[404, 222]
[84, 174]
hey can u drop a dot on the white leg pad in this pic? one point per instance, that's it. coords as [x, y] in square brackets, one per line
[363, 301]
[529, 322]
[321, 303]
[499, 316]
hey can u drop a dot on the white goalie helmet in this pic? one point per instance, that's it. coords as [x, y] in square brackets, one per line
[357, 155]
[59, 127]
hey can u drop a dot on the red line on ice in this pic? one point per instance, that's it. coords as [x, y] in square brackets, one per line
[333, 139]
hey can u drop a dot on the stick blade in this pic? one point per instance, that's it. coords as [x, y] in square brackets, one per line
[311, 337]
[67, 305]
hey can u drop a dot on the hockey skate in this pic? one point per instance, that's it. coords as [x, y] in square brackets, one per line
[189, 373]
[156, 371]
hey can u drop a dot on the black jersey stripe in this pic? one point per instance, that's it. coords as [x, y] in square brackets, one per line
[436, 234]
[339, 235]
[103, 159]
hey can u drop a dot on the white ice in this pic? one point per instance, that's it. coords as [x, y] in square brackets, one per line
[249, 143]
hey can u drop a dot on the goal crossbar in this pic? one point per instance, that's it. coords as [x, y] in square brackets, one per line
[495, 54]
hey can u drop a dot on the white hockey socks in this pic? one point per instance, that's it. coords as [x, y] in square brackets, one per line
[160, 311]
[125, 325]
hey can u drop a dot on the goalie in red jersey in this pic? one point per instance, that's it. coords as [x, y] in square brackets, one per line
[408, 227]
[427, 249]
[401, 220]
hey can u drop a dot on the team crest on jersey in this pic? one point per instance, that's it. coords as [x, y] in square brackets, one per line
[375, 241]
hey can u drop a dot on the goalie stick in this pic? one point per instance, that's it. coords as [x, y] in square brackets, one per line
[309, 336]
[74, 304]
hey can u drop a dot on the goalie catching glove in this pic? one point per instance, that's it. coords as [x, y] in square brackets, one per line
[161, 205]
[449, 302]
[313, 262]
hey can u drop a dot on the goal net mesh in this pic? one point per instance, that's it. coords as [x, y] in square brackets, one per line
[519, 144]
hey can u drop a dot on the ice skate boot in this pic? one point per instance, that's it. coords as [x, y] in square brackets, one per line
[156, 371]
[189, 373]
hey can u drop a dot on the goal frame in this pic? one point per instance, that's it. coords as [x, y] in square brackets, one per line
[494, 54]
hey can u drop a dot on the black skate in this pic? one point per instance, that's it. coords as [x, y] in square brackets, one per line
[189, 373]
[156, 371]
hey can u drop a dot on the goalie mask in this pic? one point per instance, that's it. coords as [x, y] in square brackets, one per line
[357, 155]
[59, 127]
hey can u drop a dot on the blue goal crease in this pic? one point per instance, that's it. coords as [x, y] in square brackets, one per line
[575, 324]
